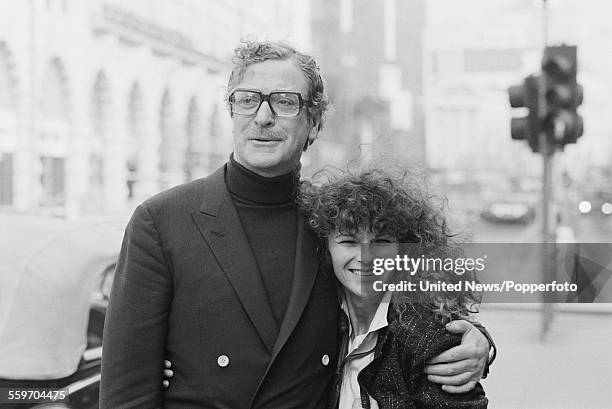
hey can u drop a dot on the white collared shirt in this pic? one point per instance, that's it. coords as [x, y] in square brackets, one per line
[350, 395]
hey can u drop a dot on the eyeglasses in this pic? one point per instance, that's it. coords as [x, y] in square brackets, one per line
[247, 102]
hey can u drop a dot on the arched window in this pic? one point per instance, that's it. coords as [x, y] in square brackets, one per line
[100, 112]
[215, 156]
[172, 147]
[135, 139]
[195, 155]
[53, 137]
[165, 129]
[8, 126]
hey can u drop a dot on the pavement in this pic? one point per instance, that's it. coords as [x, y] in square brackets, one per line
[570, 369]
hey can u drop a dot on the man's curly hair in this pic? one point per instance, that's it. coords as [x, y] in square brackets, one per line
[397, 206]
[252, 52]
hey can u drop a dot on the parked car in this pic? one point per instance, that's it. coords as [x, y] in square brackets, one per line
[510, 210]
[54, 287]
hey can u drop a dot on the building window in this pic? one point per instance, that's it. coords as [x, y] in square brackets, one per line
[52, 180]
[100, 113]
[195, 152]
[6, 179]
[53, 138]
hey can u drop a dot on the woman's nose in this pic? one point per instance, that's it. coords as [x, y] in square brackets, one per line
[366, 255]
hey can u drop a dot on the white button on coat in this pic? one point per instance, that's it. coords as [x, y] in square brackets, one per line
[223, 361]
[325, 360]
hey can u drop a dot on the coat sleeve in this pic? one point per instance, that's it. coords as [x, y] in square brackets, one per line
[135, 330]
[426, 345]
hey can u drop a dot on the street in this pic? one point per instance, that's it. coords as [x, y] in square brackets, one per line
[571, 369]
[572, 366]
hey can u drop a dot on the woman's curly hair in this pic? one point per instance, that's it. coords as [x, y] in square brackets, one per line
[397, 206]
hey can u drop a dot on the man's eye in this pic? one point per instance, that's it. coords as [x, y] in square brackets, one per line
[287, 102]
[246, 101]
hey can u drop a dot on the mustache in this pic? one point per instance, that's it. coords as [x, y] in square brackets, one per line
[265, 134]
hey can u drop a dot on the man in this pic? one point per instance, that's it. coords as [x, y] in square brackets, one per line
[220, 275]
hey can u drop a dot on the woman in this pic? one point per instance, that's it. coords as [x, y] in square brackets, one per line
[390, 334]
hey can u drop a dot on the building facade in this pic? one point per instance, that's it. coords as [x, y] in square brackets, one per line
[104, 103]
[371, 55]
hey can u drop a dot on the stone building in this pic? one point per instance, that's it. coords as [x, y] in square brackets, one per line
[103, 103]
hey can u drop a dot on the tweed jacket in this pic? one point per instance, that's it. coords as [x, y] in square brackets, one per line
[395, 377]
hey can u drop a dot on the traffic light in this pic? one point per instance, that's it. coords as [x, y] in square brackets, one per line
[526, 95]
[562, 95]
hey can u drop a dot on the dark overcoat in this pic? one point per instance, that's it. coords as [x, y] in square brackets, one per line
[188, 288]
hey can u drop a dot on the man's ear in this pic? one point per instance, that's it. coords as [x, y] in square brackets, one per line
[312, 135]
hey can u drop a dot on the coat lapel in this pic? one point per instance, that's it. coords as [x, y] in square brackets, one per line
[304, 275]
[220, 226]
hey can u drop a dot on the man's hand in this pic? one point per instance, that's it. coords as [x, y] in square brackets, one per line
[460, 368]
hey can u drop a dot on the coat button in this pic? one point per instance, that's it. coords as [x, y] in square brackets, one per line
[223, 361]
[325, 360]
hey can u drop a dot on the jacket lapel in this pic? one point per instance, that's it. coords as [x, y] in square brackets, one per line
[220, 226]
[304, 275]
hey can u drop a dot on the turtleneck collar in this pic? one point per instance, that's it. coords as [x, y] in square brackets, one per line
[249, 187]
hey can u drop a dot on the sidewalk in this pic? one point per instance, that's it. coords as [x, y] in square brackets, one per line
[571, 370]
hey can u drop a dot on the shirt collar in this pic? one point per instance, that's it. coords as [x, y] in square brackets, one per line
[380, 317]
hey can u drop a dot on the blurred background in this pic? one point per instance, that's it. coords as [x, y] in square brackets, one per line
[104, 103]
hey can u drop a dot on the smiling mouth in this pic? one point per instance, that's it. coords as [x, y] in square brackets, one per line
[362, 272]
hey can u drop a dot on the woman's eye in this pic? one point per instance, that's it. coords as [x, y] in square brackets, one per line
[384, 240]
[347, 241]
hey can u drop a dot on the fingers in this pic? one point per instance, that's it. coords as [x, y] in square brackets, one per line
[453, 368]
[167, 364]
[474, 344]
[458, 353]
[165, 384]
[168, 373]
[468, 386]
[457, 380]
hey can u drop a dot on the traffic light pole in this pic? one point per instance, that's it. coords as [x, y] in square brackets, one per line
[551, 98]
[548, 233]
[548, 219]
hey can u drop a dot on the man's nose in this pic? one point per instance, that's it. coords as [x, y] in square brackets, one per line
[264, 117]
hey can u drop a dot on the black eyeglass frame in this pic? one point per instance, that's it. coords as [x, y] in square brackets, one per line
[266, 98]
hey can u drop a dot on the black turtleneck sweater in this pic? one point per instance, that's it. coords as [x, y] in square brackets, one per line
[268, 213]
